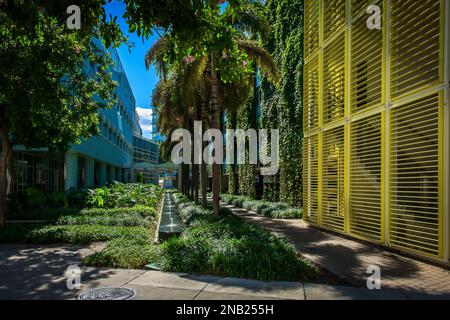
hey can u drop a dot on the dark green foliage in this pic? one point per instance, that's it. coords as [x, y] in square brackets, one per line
[35, 198]
[246, 119]
[72, 234]
[58, 199]
[120, 195]
[282, 108]
[124, 253]
[139, 177]
[269, 209]
[229, 247]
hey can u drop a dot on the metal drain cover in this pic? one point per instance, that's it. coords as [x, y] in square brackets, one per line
[108, 294]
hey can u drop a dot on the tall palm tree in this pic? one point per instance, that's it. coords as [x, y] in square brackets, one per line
[202, 74]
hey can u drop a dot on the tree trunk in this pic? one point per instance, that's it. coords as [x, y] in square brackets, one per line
[215, 124]
[10, 170]
[203, 169]
[6, 149]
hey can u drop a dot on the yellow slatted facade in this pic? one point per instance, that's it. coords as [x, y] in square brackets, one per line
[376, 122]
[365, 178]
[310, 179]
[311, 95]
[334, 17]
[414, 171]
[415, 44]
[366, 61]
[334, 80]
[333, 179]
[311, 27]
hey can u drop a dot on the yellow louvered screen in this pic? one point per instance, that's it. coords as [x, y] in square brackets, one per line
[365, 178]
[334, 16]
[414, 174]
[311, 95]
[366, 61]
[334, 80]
[360, 6]
[415, 28]
[311, 34]
[310, 178]
[333, 179]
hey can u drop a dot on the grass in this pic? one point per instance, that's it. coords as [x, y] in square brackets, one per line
[128, 231]
[224, 245]
[70, 234]
[274, 210]
[228, 246]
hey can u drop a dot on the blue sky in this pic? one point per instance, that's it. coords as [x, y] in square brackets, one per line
[142, 81]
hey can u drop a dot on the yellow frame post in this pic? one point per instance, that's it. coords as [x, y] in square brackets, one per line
[445, 106]
[320, 120]
[385, 134]
[347, 114]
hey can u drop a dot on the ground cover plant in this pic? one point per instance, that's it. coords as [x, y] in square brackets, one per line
[269, 209]
[123, 216]
[228, 246]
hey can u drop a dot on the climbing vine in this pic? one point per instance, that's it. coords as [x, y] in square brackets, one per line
[282, 107]
[246, 119]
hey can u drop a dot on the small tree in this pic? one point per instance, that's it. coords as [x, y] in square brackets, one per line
[47, 98]
[139, 177]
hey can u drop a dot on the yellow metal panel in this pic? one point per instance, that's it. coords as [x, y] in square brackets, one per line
[333, 179]
[367, 62]
[414, 170]
[365, 178]
[334, 80]
[310, 179]
[415, 44]
[311, 95]
[334, 16]
[311, 34]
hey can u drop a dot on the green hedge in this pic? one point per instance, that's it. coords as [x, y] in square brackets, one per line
[71, 234]
[269, 209]
[230, 247]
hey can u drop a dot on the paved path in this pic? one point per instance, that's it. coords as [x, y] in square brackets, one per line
[38, 272]
[348, 259]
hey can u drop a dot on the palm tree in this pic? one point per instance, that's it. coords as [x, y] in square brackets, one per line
[201, 78]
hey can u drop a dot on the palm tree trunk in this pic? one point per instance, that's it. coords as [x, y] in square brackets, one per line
[203, 169]
[215, 124]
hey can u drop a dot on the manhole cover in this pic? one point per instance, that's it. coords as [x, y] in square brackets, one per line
[108, 294]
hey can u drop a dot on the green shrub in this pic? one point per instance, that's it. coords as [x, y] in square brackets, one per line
[271, 207]
[227, 246]
[124, 253]
[287, 214]
[139, 177]
[119, 195]
[72, 234]
[76, 198]
[35, 198]
[58, 199]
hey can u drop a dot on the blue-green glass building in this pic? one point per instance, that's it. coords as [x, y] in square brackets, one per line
[97, 161]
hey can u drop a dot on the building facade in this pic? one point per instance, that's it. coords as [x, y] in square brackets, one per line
[145, 157]
[94, 162]
[377, 122]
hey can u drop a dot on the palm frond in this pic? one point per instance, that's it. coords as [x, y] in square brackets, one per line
[262, 57]
[155, 55]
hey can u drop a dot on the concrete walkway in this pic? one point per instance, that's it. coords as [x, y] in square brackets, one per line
[38, 272]
[349, 260]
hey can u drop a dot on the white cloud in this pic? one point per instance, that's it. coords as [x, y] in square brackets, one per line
[145, 120]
